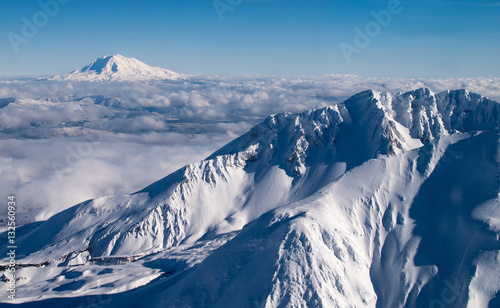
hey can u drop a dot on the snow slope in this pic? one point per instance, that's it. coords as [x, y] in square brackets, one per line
[119, 68]
[384, 200]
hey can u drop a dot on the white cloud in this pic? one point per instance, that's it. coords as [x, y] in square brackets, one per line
[115, 138]
[55, 173]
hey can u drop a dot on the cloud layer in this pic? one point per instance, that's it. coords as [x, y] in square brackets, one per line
[64, 142]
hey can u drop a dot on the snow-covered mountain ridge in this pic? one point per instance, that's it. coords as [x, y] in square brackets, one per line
[344, 206]
[119, 68]
[369, 124]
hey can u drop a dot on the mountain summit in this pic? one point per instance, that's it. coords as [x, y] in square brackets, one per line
[119, 68]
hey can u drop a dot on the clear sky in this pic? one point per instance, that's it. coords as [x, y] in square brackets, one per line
[419, 38]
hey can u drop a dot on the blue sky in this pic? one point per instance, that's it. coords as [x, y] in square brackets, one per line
[422, 39]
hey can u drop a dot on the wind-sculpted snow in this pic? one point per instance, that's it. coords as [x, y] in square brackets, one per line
[429, 115]
[383, 200]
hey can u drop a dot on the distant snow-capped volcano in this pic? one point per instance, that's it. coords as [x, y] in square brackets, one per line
[119, 68]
